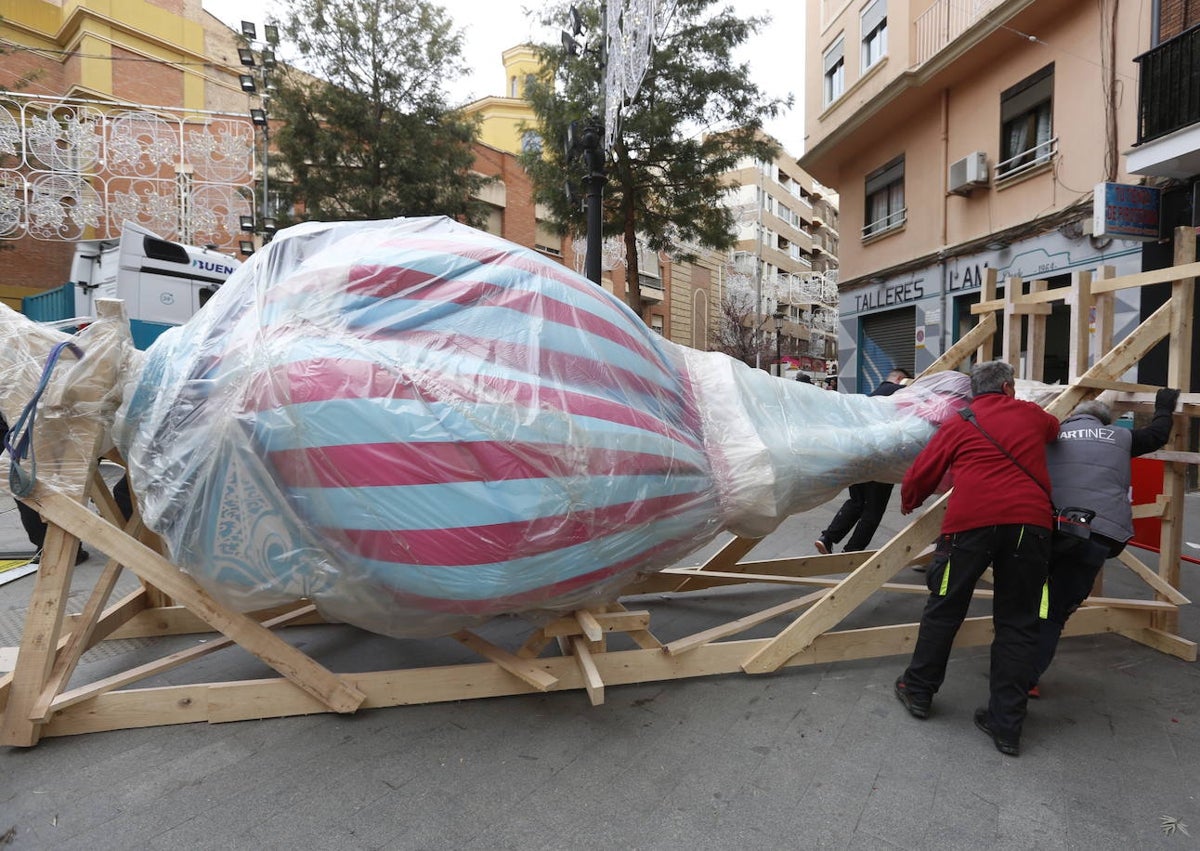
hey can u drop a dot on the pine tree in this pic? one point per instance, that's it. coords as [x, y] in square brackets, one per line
[364, 130]
[697, 115]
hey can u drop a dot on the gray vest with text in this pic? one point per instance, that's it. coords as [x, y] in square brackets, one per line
[1089, 468]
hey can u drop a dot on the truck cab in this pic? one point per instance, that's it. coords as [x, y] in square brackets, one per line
[161, 282]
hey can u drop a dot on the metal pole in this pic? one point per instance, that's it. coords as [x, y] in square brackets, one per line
[758, 282]
[593, 158]
[779, 349]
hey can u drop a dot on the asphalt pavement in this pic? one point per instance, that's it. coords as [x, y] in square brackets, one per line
[813, 757]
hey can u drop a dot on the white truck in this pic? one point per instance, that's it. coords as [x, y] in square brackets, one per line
[161, 282]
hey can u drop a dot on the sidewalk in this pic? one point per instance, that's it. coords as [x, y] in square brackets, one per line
[812, 757]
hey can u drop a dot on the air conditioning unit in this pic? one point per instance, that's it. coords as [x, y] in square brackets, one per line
[969, 172]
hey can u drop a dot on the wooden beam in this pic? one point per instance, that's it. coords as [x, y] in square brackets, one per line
[967, 345]
[1079, 325]
[1156, 276]
[520, 668]
[589, 625]
[592, 681]
[253, 699]
[604, 622]
[1163, 642]
[315, 679]
[735, 627]
[850, 593]
[149, 669]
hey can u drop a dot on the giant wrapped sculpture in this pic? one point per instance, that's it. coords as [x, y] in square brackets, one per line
[417, 426]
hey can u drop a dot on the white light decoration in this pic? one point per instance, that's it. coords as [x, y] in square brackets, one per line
[73, 169]
[629, 36]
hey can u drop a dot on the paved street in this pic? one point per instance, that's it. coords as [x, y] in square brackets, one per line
[813, 757]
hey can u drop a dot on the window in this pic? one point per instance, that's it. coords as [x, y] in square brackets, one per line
[885, 209]
[835, 72]
[874, 33]
[1025, 124]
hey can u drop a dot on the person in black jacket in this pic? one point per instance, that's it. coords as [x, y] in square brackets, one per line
[35, 526]
[868, 501]
[1089, 468]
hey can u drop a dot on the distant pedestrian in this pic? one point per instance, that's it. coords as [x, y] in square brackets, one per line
[998, 515]
[1089, 469]
[804, 378]
[868, 501]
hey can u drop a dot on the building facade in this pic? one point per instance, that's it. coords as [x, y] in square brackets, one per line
[787, 253]
[115, 111]
[962, 137]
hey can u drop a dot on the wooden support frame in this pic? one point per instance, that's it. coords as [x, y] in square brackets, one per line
[36, 700]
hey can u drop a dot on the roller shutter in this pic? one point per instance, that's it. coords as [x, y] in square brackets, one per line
[887, 343]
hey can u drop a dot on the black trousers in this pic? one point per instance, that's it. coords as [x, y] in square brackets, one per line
[35, 526]
[1074, 566]
[862, 512]
[1018, 556]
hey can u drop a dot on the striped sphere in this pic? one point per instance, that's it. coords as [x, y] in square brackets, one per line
[418, 426]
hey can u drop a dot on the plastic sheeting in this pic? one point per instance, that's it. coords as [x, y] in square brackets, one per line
[419, 426]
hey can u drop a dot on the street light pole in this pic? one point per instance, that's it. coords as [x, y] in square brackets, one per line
[779, 343]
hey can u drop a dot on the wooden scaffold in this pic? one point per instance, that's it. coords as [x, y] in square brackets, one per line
[37, 699]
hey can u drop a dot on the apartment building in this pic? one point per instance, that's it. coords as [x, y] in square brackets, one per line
[966, 135]
[785, 251]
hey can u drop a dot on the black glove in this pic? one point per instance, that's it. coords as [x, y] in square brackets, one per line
[1165, 399]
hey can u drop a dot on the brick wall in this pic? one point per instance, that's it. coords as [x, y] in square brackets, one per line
[35, 263]
[1175, 16]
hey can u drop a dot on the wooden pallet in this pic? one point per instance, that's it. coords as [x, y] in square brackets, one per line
[36, 701]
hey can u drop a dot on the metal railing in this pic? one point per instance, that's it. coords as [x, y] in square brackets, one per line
[1027, 160]
[888, 223]
[943, 22]
[1169, 86]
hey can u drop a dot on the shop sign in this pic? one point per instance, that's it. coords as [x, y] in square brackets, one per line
[1124, 211]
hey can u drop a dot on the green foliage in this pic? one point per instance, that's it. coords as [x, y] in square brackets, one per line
[369, 135]
[695, 117]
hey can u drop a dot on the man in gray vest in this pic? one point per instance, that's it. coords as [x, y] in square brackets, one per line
[1089, 468]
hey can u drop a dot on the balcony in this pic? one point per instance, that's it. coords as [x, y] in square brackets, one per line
[943, 22]
[1168, 133]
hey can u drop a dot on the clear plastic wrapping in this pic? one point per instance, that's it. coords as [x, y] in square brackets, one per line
[419, 426]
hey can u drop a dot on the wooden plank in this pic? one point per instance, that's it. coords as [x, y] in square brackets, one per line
[177, 620]
[643, 638]
[252, 699]
[1174, 456]
[1121, 386]
[1150, 509]
[1079, 326]
[249, 634]
[1163, 642]
[1179, 374]
[589, 625]
[967, 344]
[1136, 605]
[1117, 360]
[1010, 340]
[1147, 575]
[1156, 276]
[40, 639]
[534, 644]
[79, 641]
[149, 669]
[605, 622]
[1036, 344]
[850, 593]
[593, 683]
[520, 668]
[735, 627]
[987, 292]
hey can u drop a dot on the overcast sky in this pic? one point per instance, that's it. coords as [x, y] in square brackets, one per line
[776, 54]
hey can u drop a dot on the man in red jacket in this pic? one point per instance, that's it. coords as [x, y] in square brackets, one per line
[999, 514]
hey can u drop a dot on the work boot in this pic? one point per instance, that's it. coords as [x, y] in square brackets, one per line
[821, 546]
[918, 705]
[1006, 746]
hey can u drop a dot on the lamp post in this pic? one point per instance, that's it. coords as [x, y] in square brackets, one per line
[259, 115]
[778, 317]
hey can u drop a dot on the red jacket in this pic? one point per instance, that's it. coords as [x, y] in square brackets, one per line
[989, 490]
